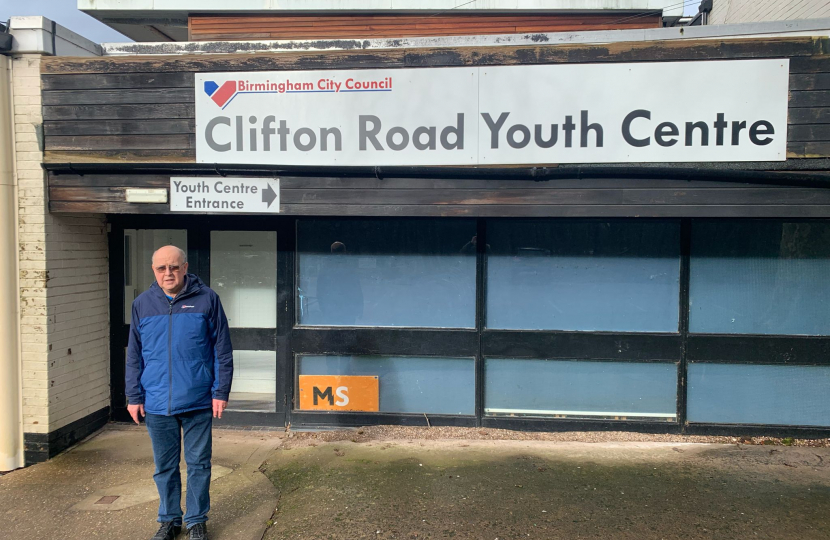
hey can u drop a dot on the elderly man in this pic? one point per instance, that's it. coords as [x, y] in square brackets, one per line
[179, 371]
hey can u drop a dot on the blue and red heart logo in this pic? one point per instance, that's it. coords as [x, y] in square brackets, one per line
[220, 95]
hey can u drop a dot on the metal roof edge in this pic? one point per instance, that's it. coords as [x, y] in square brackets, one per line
[817, 27]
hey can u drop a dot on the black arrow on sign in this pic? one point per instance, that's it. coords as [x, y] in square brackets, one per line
[268, 195]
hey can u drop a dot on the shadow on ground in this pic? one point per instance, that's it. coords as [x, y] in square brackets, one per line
[510, 490]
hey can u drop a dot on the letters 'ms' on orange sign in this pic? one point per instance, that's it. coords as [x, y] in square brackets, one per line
[339, 393]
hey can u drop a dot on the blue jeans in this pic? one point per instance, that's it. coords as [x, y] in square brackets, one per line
[166, 436]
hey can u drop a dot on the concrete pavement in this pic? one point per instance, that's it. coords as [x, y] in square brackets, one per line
[103, 488]
[269, 485]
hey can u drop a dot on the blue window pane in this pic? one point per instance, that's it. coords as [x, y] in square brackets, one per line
[621, 276]
[760, 277]
[407, 384]
[759, 394]
[581, 389]
[415, 273]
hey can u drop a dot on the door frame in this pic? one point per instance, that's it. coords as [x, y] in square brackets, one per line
[198, 229]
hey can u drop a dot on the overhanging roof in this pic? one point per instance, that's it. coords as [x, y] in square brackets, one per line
[166, 20]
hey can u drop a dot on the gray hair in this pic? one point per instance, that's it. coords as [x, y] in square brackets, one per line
[182, 254]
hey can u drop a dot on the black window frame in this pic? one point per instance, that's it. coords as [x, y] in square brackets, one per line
[290, 340]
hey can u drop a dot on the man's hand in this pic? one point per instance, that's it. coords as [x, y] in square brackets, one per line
[135, 411]
[218, 407]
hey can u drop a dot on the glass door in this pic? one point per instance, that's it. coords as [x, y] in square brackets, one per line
[239, 259]
[243, 272]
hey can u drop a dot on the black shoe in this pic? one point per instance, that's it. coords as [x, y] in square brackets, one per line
[167, 531]
[197, 532]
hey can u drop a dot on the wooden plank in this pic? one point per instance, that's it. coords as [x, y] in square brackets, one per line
[560, 211]
[119, 127]
[677, 50]
[808, 149]
[460, 197]
[528, 54]
[260, 21]
[810, 81]
[118, 112]
[323, 183]
[818, 211]
[808, 133]
[810, 98]
[811, 115]
[819, 63]
[87, 194]
[112, 97]
[108, 180]
[107, 207]
[119, 156]
[121, 142]
[85, 81]
[416, 25]
[226, 62]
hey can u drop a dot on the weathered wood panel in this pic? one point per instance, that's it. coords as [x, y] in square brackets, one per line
[216, 28]
[123, 142]
[794, 48]
[109, 110]
[118, 96]
[86, 81]
[814, 115]
[119, 127]
[766, 211]
[808, 133]
[119, 156]
[118, 112]
[445, 197]
[813, 149]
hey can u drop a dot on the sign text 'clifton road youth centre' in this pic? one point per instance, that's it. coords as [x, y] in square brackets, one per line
[569, 113]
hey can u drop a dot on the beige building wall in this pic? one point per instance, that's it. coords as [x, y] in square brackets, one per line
[64, 285]
[743, 11]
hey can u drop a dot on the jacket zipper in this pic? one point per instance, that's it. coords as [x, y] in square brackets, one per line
[170, 358]
[170, 350]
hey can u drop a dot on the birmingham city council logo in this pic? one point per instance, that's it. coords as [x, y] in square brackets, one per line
[221, 95]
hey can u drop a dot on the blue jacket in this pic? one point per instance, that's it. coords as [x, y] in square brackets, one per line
[180, 355]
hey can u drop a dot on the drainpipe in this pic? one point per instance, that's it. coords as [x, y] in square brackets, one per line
[11, 420]
[704, 9]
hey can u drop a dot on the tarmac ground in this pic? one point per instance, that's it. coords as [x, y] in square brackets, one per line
[271, 485]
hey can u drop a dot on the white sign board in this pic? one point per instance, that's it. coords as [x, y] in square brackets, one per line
[225, 195]
[569, 113]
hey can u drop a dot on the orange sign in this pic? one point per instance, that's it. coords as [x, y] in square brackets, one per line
[339, 393]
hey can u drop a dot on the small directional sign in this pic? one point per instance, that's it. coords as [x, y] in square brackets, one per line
[209, 195]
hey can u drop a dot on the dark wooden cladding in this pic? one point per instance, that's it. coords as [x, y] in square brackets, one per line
[118, 112]
[140, 110]
[118, 96]
[120, 81]
[187, 155]
[484, 198]
[363, 26]
[641, 51]
[123, 142]
[119, 127]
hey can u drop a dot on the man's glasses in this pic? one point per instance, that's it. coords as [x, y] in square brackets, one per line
[163, 269]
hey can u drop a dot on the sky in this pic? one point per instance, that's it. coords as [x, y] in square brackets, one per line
[65, 13]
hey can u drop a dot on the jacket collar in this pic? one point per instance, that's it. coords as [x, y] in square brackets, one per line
[192, 284]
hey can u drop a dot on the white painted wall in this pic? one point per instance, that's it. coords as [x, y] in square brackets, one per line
[34, 35]
[740, 11]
